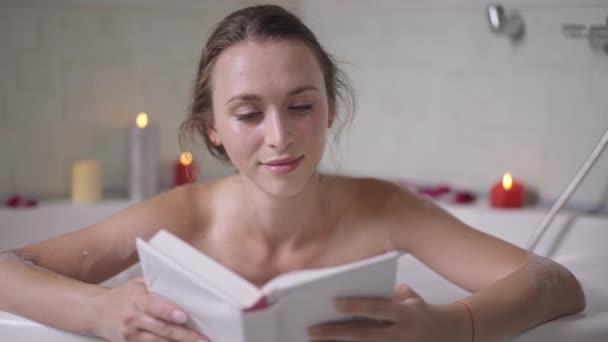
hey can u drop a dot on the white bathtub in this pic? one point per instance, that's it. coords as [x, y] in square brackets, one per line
[576, 241]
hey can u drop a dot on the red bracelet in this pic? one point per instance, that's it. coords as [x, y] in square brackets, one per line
[472, 319]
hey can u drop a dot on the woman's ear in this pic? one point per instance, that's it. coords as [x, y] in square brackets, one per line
[212, 133]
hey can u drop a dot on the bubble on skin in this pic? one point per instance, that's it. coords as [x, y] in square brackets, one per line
[128, 247]
[23, 259]
[428, 203]
[87, 263]
[391, 204]
[90, 259]
[389, 246]
[27, 261]
[126, 250]
[15, 257]
[551, 278]
[388, 241]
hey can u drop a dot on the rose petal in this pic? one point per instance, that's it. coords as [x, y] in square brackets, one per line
[463, 197]
[13, 201]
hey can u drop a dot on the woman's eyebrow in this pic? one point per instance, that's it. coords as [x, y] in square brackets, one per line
[302, 89]
[254, 97]
[244, 97]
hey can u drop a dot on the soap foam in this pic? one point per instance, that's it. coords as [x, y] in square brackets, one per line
[23, 259]
[551, 277]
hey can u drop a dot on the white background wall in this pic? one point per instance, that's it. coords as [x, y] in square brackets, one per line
[440, 98]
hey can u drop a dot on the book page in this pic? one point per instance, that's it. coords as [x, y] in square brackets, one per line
[209, 313]
[213, 274]
[310, 303]
[291, 279]
[261, 325]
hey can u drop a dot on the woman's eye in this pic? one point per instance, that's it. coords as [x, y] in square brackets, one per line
[248, 116]
[302, 108]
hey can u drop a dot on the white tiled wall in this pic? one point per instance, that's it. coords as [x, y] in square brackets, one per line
[442, 99]
[439, 97]
[75, 74]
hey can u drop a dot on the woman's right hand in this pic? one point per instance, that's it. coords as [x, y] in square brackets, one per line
[130, 313]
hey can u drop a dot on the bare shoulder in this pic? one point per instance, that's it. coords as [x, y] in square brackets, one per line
[373, 211]
[416, 225]
[183, 210]
[379, 197]
[395, 212]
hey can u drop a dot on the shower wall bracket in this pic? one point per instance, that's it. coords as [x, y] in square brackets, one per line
[505, 23]
[597, 34]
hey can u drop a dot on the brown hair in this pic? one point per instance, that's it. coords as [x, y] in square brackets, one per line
[264, 22]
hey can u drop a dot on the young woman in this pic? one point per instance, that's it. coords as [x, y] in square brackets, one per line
[265, 96]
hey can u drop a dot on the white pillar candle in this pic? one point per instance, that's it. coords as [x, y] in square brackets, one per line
[143, 166]
[86, 181]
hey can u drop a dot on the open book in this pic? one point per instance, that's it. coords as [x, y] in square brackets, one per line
[226, 307]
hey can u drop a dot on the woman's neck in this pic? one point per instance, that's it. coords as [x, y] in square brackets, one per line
[285, 221]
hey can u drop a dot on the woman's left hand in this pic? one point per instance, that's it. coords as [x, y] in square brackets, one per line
[406, 318]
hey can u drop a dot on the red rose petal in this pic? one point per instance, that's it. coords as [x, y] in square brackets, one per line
[30, 203]
[463, 197]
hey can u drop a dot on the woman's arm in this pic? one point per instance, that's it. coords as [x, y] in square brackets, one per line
[44, 296]
[512, 290]
[52, 281]
[539, 291]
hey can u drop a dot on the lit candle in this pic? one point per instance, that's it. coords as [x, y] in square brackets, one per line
[507, 194]
[185, 170]
[143, 171]
[86, 181]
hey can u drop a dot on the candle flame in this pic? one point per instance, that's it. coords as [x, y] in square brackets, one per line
[185, 158]
[141, 120]
[507, 181]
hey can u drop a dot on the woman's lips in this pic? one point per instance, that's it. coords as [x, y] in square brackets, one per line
[283, 166]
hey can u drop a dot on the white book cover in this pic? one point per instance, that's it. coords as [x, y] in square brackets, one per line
[226, 307]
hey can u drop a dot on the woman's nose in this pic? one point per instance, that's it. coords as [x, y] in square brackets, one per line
[278, 132]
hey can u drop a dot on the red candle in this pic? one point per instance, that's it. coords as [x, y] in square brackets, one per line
[507, 194]
[185, 170]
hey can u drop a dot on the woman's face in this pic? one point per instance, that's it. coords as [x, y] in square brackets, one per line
[271, 113]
